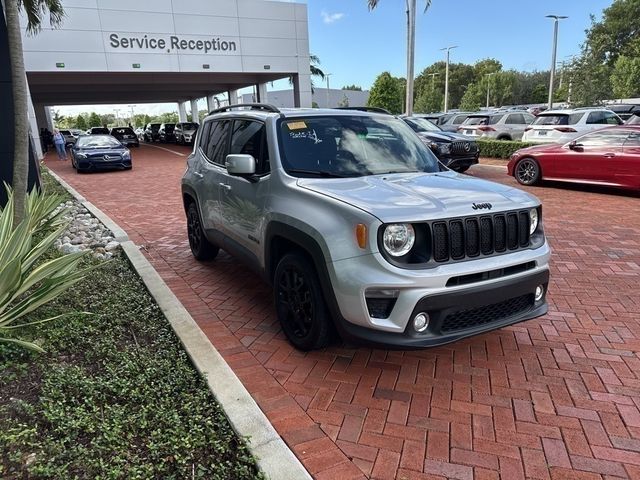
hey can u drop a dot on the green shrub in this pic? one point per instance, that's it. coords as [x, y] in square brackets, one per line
[500, 148]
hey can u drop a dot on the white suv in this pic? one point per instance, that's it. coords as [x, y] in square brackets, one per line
[562, 126]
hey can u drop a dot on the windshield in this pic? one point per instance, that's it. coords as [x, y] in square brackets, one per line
[189, 126]
[347, 146]
[422, 125]
[476, 121]
[168, 127]
[98, 141]
[154, 126]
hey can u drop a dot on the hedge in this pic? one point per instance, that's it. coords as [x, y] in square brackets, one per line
[500, 148]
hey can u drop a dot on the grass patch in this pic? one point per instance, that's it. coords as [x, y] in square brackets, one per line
[115, 395]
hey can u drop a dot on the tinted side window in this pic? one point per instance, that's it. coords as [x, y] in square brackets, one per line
[515, 118]
[218, 139]
[611, 119]
[607, 138]
[249, 137]
[575, 118]
[459, 119]
[596, 118]
[495, 119]
[204, 137]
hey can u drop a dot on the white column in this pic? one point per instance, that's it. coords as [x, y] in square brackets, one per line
[182, 112]
[195, 115]
[233, 97]
[34, 130]
[47, 112]
[302, 91]
[262, 92]
[212, 102]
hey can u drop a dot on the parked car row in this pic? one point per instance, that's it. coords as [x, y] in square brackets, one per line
[181, 133]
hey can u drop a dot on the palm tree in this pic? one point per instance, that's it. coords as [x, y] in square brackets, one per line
[35, 10]
[411, 45]
[315, 70]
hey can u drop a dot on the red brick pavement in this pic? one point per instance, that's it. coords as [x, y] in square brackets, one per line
[553, 398]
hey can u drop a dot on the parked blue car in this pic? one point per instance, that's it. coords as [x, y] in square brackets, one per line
[99, 152]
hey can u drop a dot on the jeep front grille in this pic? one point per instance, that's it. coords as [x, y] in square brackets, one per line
[460, 238]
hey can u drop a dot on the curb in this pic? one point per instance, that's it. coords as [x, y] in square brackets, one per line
[272, 455]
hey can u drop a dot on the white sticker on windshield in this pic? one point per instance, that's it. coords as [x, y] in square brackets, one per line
[308, 134]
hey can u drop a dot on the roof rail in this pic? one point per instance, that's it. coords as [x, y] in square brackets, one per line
[251, 106]
[366, 109]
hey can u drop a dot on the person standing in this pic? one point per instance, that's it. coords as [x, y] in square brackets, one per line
[58, 141]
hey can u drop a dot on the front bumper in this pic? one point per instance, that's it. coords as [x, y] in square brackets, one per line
[354, 279]
[462, 314]
[103, 165]
[460, 161]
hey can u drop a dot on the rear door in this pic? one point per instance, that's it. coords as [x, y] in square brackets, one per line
[242, 200]
[515, 125]
[214, 145]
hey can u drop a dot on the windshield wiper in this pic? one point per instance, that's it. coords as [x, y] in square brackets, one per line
[318, 173]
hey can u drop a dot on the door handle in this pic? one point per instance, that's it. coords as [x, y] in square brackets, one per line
[225, 186]
[609, 155]
[198, 174]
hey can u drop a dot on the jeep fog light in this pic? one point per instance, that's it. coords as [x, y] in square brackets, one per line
[533, 220]
[421, 322]
[539, 293]
[398, 239]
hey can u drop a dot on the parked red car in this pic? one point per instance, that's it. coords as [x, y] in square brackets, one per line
[610, 156]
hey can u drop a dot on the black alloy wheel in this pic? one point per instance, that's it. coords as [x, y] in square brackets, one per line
[527, 171]
[201, 248]
[300, 304]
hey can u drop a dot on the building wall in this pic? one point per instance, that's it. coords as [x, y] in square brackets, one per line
[284, 98]
[227, 35]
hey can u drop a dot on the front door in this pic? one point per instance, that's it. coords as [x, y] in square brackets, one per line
[242, 200]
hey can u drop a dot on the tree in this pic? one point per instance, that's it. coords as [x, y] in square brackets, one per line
[387, 92]
[57, 118]
[429, 101]
[625, 78]
[474, 97]
[94, 120]
[411, 27]
[81, 123]
[34, 10]
[356, 88]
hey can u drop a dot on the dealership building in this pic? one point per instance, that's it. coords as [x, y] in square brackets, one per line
[156, 51]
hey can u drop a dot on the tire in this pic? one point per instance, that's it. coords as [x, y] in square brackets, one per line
[300, 305]
[504, 137]
[200, 247]
[527, 171]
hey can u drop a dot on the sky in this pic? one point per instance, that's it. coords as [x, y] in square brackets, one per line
[355, 45]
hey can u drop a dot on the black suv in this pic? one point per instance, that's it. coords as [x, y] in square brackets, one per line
[455, 151]
[151, 132]
[166, 132]
[126, 136]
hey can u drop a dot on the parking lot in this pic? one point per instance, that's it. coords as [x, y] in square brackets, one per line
[554, 397]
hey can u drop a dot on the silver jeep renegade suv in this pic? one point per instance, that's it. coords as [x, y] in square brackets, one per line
[357, 226]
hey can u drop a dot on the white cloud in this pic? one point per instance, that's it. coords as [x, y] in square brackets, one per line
[331, 17]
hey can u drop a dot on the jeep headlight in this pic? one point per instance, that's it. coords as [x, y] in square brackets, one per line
[398, 239]
[533, 220]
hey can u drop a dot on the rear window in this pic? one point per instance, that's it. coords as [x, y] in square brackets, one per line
[558, 119]
[477, 120]
[100, 130]
[122, 131]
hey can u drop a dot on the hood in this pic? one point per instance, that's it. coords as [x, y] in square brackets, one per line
[409, 197]
[444, 136]
[100, 152]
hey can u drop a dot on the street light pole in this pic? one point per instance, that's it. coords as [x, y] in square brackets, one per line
[488, 84]
[446, 78]
[411, 44]
[117, 110]
[433, 78]
[326, 76]
[554, 47]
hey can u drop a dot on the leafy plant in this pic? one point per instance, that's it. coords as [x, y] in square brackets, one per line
[27, 282]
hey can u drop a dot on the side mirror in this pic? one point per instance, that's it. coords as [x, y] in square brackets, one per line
[241, 165]
[575, 146]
